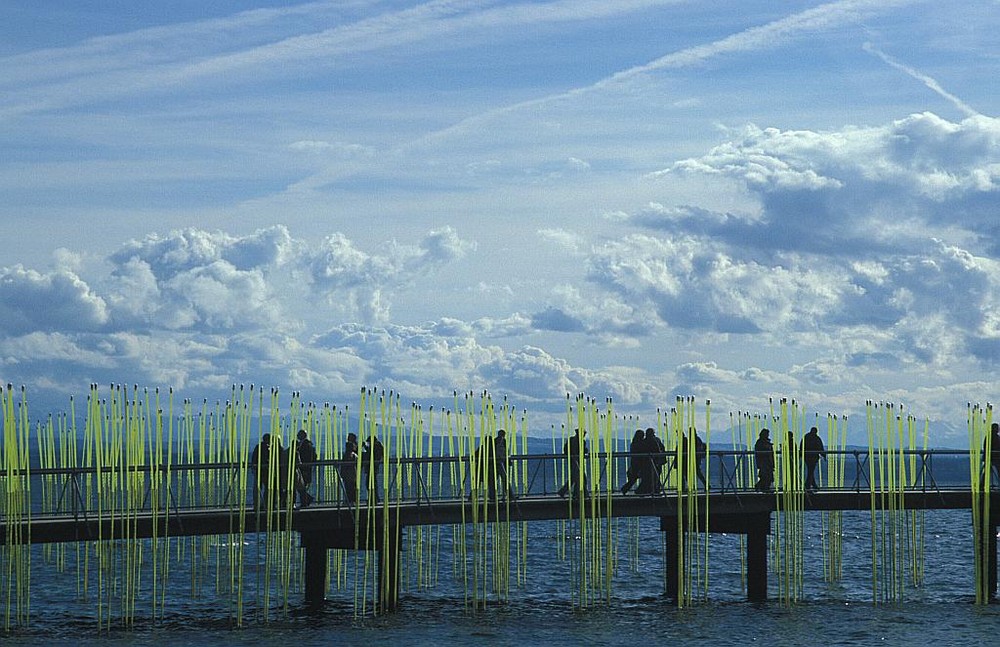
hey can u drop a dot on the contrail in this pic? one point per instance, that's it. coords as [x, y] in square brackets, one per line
[923, 78]
[769, 35]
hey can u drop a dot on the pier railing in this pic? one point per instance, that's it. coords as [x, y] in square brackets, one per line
[92, 492]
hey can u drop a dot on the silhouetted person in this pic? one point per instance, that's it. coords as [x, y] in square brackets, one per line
[813, 450]
[575, 448]
[372, 453]
[491, 463]
[260, 463]
[652, 477]
[764, 456]
[636, 451]
[289, 477]
[298, 481]
[501, 464]
[790, 479]
[349, 468]
[307, 456]
[700, 451]
[993, 454]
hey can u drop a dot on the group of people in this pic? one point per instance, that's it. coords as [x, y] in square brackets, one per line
[648, 457]
[279, 470]
[372, 455]
[763, 450]
[293, 471]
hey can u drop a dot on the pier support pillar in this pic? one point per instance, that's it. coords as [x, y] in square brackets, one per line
[671, 554]
[755, 525]
[758, 527]
[315, 574]
[315, 570]
[388, 569]
[991, 558]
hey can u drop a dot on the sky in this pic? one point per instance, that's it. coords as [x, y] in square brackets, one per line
[635, 200]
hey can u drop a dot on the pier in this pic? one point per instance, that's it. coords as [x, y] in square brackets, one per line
[65, 507]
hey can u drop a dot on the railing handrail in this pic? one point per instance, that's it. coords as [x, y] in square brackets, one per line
[448, 458]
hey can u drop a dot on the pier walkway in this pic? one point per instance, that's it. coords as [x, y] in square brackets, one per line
[212, 499]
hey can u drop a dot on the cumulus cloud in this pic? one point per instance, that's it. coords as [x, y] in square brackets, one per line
[180, 251]
[216, 281]
[691, 285]
[849, 241]
[858, 187]
[432, 361]
[338, 267]
[56, 301]
[706, 372]
[615, 320]
[198, 280]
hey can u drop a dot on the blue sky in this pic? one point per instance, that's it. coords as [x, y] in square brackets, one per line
[636, 200]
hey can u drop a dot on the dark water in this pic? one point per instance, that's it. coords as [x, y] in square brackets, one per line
[542, 610]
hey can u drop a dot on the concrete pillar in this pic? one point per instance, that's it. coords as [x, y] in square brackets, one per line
[388, 570]
[671, 553]
[990, 545]
[758, 528]
[315, 567]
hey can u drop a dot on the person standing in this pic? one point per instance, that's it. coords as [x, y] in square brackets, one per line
[576, 451]
[813, 450]
[500, 449]
[991, 455]
[657, 458]
[491, 464]
[763, 452]
[372, 454]
[305, 453]
[349, 468]
[260, 463]
[699, 457]
[636, 449]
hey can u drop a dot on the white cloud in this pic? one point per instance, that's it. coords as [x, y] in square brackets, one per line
[834, 182]
[179, 251]
[568, 240]
[363, 282]
[338, 150]
[57, 301]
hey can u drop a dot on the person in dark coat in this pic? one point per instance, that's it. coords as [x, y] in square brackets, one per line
[575, 449]
[349, 468]
[501, 464]
[636, 449]
[372, 454]
[259, 464]
[813, 450]
[491, 464]
[656, 458]
[763, 452]
[991, 455]
[700, 451]
[305, 456]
